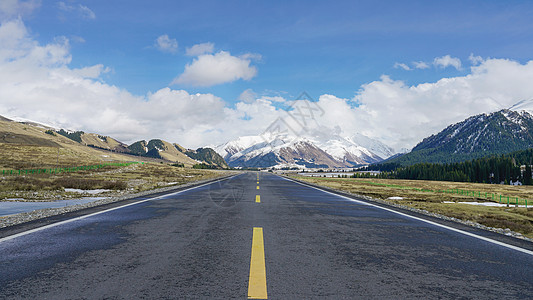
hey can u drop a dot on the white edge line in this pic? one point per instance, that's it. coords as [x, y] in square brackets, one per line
[423, 220]
[14, 236]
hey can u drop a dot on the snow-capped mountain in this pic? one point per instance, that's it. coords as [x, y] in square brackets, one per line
[232, 147]
[374, 146]
[482, 135]
[319, 148]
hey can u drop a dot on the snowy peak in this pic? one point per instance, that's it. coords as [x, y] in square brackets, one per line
[315, 149]
[374, 146]
[232, 147]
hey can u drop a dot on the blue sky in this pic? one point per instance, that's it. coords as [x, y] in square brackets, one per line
[205, 72]
[318, 46]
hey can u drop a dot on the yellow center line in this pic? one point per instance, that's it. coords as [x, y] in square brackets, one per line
[257, 199]
[257, 187]
[257, 288]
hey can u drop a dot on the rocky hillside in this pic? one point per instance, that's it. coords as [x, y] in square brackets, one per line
[206, 155]
[173, 152]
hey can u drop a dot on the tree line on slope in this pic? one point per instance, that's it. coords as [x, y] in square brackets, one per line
[495, 169]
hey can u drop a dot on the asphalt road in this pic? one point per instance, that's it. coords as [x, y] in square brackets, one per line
[198, 243]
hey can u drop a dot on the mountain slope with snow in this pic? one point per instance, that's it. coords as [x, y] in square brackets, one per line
[483, 135]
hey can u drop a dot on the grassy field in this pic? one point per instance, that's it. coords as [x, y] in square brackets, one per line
[424, 195]
[118, 180]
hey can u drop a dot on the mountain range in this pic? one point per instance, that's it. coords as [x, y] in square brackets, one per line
[482, 135]
[318, 149]
[16, 132]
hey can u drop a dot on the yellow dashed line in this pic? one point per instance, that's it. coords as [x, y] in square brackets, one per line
[257, 288]
[257, 199]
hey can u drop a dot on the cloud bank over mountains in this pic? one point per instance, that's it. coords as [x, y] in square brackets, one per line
[37, 82]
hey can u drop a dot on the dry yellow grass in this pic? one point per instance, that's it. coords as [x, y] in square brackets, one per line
[121, 180]
[25, 146]
[173, 154]
[516, 219]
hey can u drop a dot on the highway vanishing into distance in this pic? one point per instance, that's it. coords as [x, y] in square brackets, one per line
[258, 235]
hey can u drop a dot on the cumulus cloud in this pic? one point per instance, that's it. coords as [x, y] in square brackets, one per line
[92, 71]
[475, 60]
[165, 44]
[213, 69]
[200, 49]
[420, 65]
[16, 8]
[447, 61]
[248, 96]
[402, 66]
[80, 9]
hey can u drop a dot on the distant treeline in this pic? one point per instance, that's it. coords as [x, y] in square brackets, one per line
[494, 169]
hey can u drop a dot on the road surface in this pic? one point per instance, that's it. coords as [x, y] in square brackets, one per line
[258, 236]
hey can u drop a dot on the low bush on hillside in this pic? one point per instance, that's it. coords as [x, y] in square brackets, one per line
[88, 184]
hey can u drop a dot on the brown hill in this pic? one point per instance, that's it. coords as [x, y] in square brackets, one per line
[23, 145]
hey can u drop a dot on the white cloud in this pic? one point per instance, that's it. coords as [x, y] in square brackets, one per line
[82, 10]
[16, 8]
[166, 44]
[402, 66]
[86, 12]
[447, 61]
[248, 96]
[277, 99]
[77, 39]
[475, 60]
[420, 65]
[200, 49]
[213, 69]
[92, 71]
[252, 56]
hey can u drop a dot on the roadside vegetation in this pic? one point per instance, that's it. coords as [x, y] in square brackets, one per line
[114, 180]
[427, 195]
